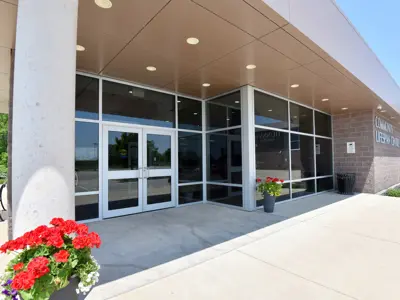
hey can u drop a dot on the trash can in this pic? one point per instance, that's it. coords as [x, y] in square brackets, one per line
[345, 183]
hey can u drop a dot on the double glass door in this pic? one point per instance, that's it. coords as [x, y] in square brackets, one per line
[137, 170]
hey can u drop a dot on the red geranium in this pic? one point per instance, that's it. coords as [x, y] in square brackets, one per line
[258, 180]
[82, 229]
[69, 226]
[282, 181]
[19, 266]
[57, 222]
[54, 237]
[95, 240]
[23, 281]
[61, 256]
[91, 240]
[275, 180]
[268, 179]
[38, 266]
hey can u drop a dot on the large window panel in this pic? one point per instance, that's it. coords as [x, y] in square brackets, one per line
[128, 104]
[224, 156]
[270, 111]
[323, 124]
[86, 207]
[324, 184]
[86, 157]
[190, 157]
[323, 151]
[301, 119]
[189, 114]
[303, 188]
[224, 111]
[86, 97]
[225, 194]
[190, 194]
[302, 156]
[272, 154]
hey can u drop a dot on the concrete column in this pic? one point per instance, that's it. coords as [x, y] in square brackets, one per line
[43, 113]
[248, 148]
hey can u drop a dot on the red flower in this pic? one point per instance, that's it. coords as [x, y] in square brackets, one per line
[38, 266]
[54, 237]
[258, 180]
[282, 181]
[57, 222]
[19, 266]
[62, 256]
[268, 179]
[275, 180]
[95, 240]
[82, 241]
[69, 226]
[82, 229]
[23, 281]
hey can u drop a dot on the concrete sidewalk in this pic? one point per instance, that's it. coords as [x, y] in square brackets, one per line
[346, 250]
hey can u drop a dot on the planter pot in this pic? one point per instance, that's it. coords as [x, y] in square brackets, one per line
[67, 293]
[269, 203]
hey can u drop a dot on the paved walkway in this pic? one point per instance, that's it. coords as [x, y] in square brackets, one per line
[346, 250]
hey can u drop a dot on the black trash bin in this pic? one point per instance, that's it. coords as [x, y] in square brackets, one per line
[345, 183]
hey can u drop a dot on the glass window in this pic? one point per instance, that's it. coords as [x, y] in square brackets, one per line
[225, 194]
[272, 154]
[301, 118]
[270, 111]
[190, 194]
[189, 114]
[123, 193]
[324, 184]
[128, 104]
[86, 97]
[86, 207]
[323, 124]
[303, 188]
[224, 111]
[285, 195]
[86, 157]
[158, 151]
[302, 156]
[123, 152]
[158, 190]
[225, 156]
[323, 151]
[190, 157]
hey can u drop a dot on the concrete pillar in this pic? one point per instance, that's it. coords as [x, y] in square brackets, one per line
[43, 113]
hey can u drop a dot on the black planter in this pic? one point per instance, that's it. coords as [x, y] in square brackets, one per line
[269, 203]
[67, 293]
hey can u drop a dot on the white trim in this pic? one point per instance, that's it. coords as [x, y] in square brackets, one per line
[303, 179]
[204, 151]
[224, 129]
[223, 94]
[289, 122]
[179, 95]
[130, 125]
[224, 184]
[291, 131]
[322, 177]
[187, 130]
[87, 193]
[92, 75]
[190, 183]
[87, 120]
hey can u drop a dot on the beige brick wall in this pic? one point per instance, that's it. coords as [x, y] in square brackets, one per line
[355, 127]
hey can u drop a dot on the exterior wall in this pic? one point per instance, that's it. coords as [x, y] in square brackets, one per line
[355, 127]
[387, 158]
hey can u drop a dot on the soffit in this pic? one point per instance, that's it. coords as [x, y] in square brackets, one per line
[267, 12]
[8, 19]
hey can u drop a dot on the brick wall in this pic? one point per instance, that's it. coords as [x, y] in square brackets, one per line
[355, 127]
[387, 158]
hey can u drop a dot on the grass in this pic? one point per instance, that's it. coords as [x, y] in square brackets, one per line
[393, 193]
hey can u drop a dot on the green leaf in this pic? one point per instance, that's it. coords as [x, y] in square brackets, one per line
[26, 295]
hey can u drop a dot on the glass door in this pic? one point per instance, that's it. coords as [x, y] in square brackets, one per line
[122, 171]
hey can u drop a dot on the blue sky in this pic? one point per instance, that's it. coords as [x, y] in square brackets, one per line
[378, 21]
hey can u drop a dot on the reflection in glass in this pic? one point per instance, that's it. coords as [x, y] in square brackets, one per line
[224, 111]
[225, 194]
[86, 207]
[325, 184]
[190, 157]
[323, 151]
[323, 124]
[86, 97]
[190, 194]
[302, 156]
[270, 111]
[123, 152]
[158, 151]
[158, 190]
[124, 103]
[86, 157]
[225, 156]
[303, 188]
[285, 195]
[122, 193]
[272, 154]
[301, 118]
[189, 114]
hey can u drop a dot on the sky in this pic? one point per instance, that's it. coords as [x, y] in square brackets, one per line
[378, 21]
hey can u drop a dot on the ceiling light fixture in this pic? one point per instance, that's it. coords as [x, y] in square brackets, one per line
[151, 68]
[325, 99]
[379, 107]
[206, 84]
[293, 86]
[269, 110]
[130, 91]
[228, 119]
[80, 48]
[251, 67]
[344, 108]
[237, 102]
[383, 111]
[103, 3]
[192, 41]
[179, 101]
[195, 114]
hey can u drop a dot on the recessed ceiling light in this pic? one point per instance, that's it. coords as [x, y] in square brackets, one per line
[151, 68]
[103, 3]
[269, 110]
[206, 84]
[383, 111]
[379, 107]
[237, 102]
[325, 99]
[130, 91]
[195, 114]
[179, 101]
[227, 119]
[192, 41]
[80, 48]
[344, 108]
[293, 86]
[251, 67]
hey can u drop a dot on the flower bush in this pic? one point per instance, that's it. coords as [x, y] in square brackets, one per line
[47, 258]
[272, 186]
